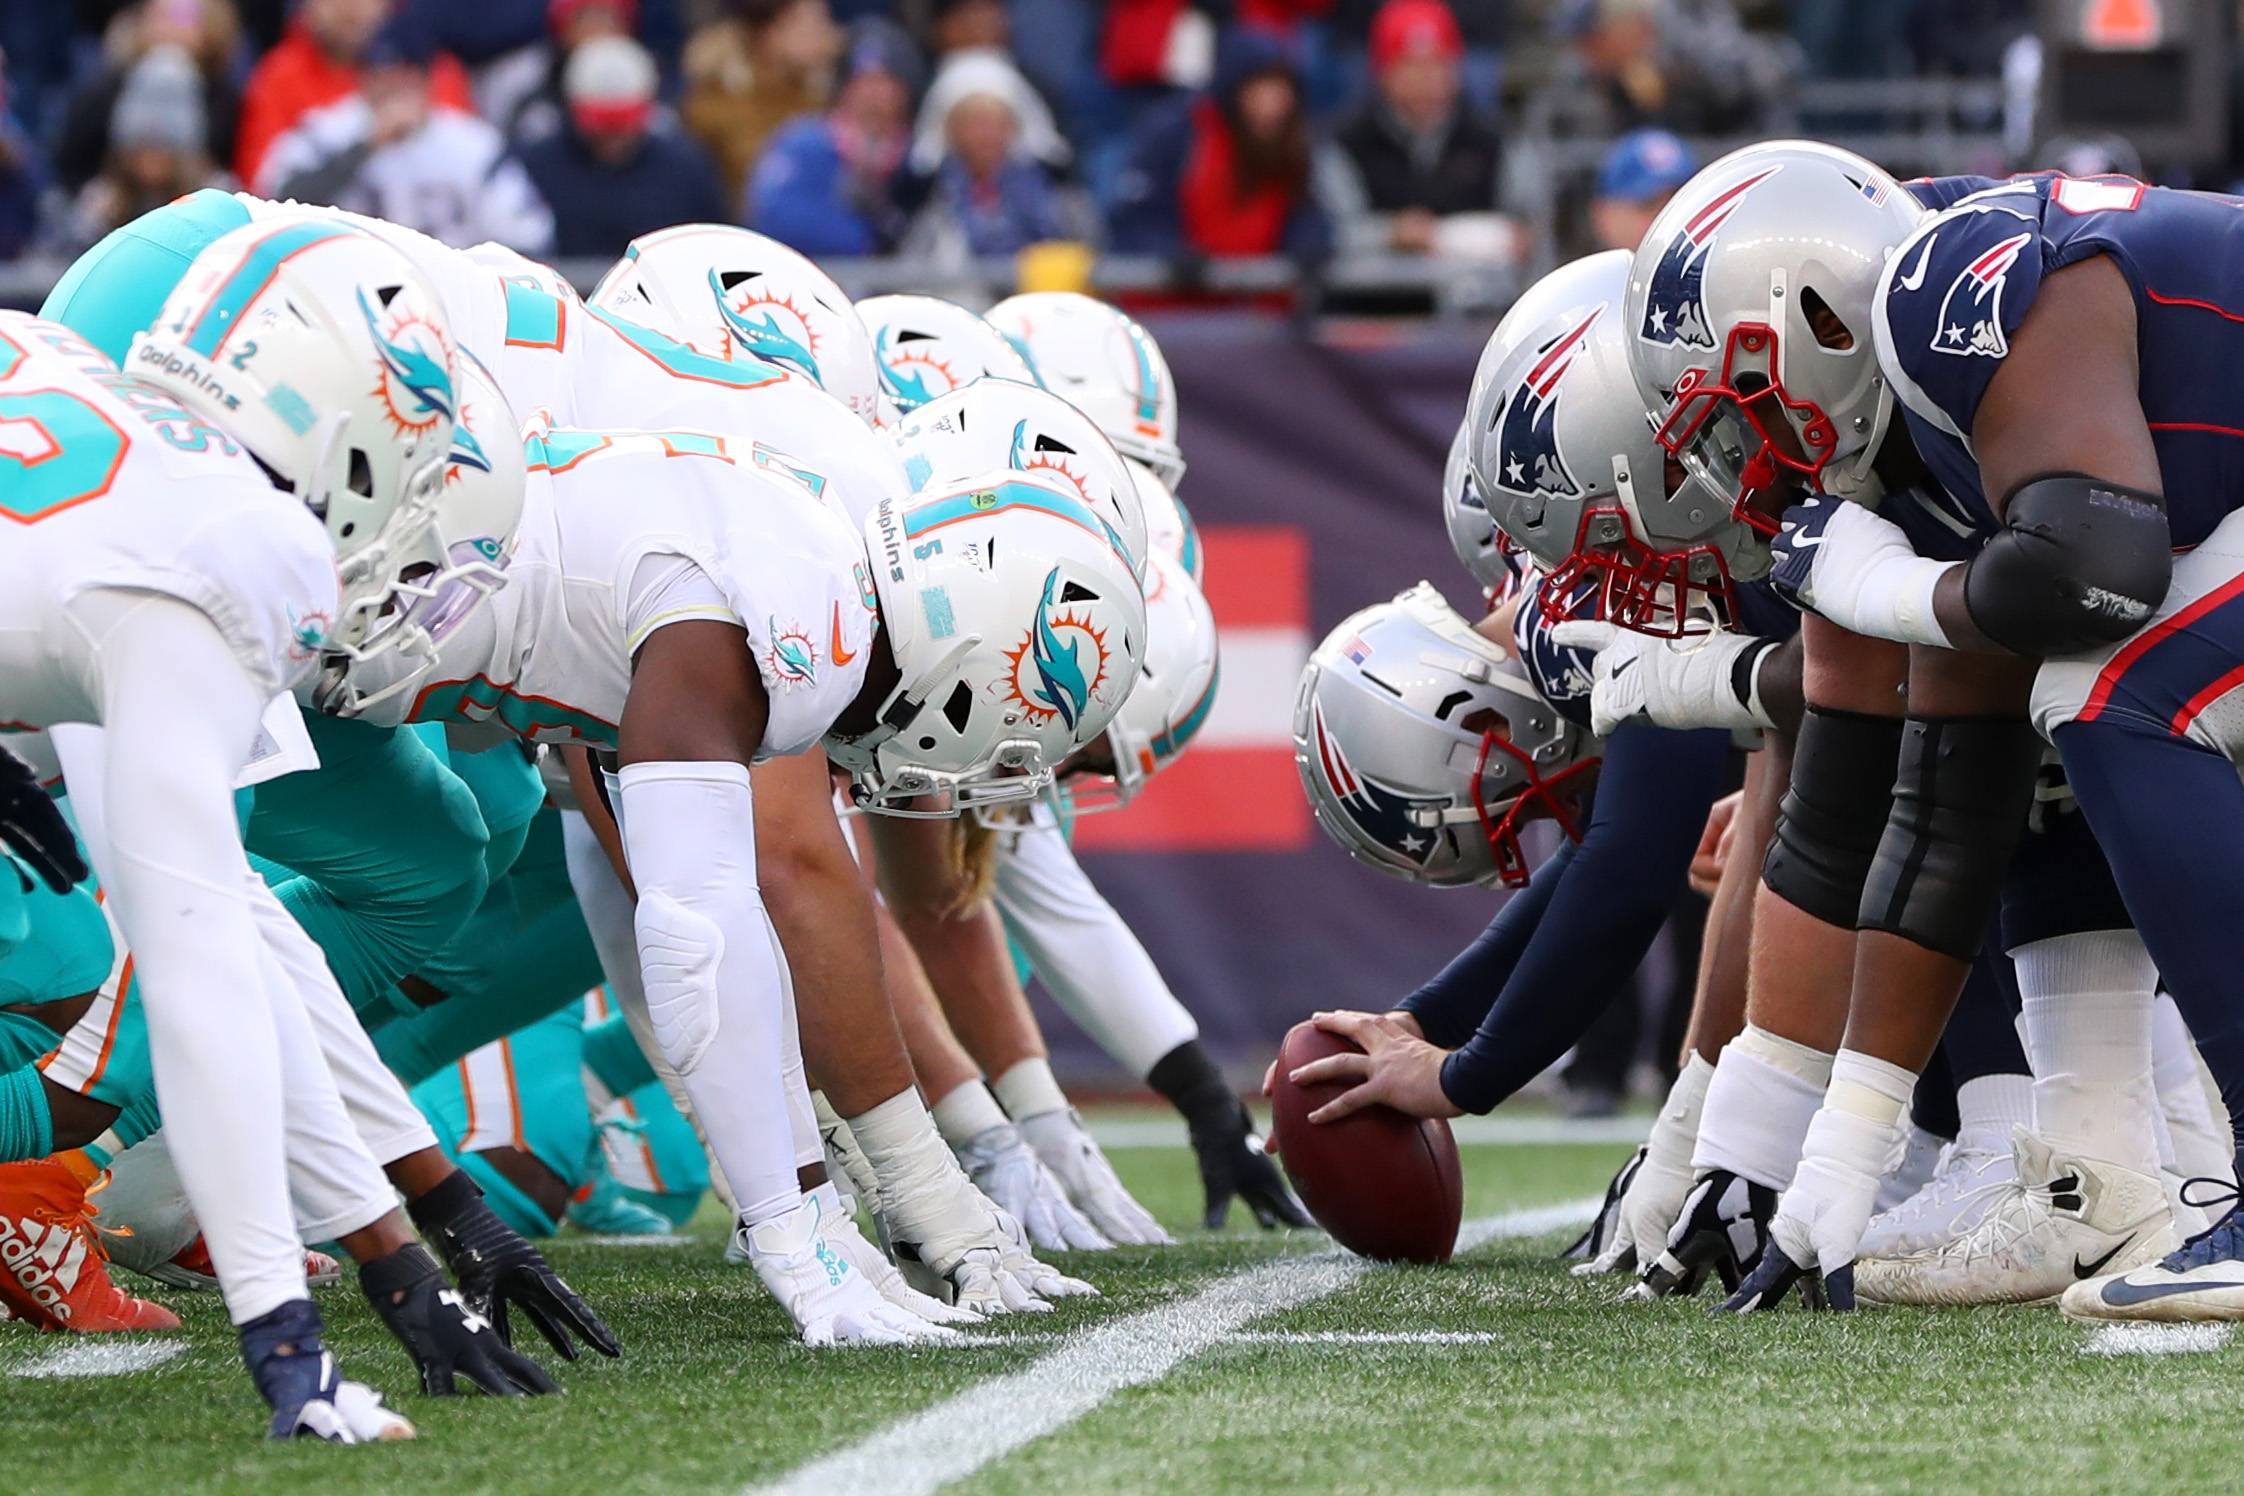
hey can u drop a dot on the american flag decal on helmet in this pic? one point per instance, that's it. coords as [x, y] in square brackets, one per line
[1675, 306]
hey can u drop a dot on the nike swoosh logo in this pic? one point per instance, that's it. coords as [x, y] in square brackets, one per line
[2119, 1293]
[839, 654]
[1622, 668]
[2091, 1269]
[1916, 277]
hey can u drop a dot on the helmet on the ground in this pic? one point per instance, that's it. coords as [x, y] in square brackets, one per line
[1749, 323]
[1017, 625]
[1175, 691]
[326, 355]
[926, 347]
[462, 560]
[1003, 423]
[1566, 462]
[1106, 364]
[1424, 750]
[735, 293]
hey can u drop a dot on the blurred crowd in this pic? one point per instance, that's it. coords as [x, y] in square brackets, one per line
[943, 129]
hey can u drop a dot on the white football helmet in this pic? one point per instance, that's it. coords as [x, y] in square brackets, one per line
[1424, 749]
[327, 356]
[735, 293]
[926, 347]
[1018, 628]
[462, 559]
[1175, 691]
[1749, 323]
[1565, 461]
[1168, 524]
[1102, 361]
[1003, 423]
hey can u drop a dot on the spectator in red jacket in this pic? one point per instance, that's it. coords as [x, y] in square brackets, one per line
[317, 63]
[1228, 173]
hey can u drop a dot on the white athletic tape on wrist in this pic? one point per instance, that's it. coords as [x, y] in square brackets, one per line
[967, 1112]
[1027, 1089]
[1677, 1127]
[1756, 1114]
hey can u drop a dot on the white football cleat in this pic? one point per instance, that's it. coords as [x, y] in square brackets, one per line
[831, 1301]
[1004, 1167]
[1068, 1151]
[2063, 1220]
[2203, 1279]
[867, 1259]
[1973, 1173]
[952, 1244]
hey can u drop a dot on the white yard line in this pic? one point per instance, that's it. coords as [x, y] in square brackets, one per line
[100, 1358]
[2155, 1340]
[957, 1437]
[651, 1239]
[1164, 1131]
[1361, 1337]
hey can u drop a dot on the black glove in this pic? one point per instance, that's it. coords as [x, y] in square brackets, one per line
[1775, 1276]
[1232, 1163]
[447, 1339]
[497, 1269]
[32, 827]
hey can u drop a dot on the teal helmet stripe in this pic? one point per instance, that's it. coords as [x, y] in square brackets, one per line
[1028, 356]
[1149, 383]
[1171, 743]
[690, 363]
[1189, 552]
[976, 502]
[223, 311]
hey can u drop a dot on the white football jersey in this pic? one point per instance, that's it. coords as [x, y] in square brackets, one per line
[591, 370]
[106, 482]
[549, 656]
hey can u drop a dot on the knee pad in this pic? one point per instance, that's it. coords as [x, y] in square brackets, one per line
[1960, 803]
[679, 951]
[1834, 813]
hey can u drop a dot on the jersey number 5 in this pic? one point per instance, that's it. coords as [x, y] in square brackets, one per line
[57, 449]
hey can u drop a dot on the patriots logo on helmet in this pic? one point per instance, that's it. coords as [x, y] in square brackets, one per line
[1970, 323]
[1675, 306]
[1397, 822]
[1526, 424]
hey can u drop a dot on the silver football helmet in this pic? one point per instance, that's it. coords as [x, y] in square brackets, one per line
[1424, 750]
[1568, 467]
[1481, 547]
[1749, 321]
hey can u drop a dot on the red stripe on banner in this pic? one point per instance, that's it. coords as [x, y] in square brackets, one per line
[1210, 800]
[1257, 576]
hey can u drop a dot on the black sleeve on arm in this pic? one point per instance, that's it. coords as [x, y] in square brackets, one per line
[1452, 1002]
[1652, 800]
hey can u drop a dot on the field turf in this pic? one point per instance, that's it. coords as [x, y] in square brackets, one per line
[1498, 1372]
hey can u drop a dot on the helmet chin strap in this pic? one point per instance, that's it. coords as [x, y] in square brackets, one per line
[1859, 479]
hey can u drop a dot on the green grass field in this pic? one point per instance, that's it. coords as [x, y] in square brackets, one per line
[1518, 1377]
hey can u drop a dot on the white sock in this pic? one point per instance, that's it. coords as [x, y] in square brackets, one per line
[966, 1112]
[1989, 1107]
[2087, 1025]
[1764, 1092]
[1028, 1090]
[2199, 1136]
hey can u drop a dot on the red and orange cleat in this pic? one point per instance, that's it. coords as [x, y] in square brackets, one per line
[190, 1268]
[54, 1269]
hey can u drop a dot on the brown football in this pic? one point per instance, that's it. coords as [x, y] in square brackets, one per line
[1385, 1185]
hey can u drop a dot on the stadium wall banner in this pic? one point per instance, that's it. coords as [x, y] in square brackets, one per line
[1315, 480]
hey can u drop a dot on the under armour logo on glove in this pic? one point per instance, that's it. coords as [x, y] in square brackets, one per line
[1792, 553]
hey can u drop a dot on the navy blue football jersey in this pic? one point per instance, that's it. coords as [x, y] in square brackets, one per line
[1958, 288]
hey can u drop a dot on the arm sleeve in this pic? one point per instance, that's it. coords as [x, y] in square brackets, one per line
[1652, 800]
[1451, 1004]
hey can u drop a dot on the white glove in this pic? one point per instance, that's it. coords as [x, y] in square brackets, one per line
[1820, 1221]
[1857, 568]
[1067, 1150]
[1654, 1199]
[1683, 683]
[867, 1259]
[1005, 1168]
[831, 1302]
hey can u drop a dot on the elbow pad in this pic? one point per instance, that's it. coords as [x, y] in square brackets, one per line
[2079, 564]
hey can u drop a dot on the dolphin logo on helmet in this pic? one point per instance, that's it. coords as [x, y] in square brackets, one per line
[425, 378]
[1061, 686]
[911, 387]
[1675, 307]
[764, 339]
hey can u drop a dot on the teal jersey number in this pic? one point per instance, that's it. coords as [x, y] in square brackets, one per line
[56, 449]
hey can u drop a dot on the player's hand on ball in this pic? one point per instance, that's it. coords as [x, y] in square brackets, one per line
[1396, 1069]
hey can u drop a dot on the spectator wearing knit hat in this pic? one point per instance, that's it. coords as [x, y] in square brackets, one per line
[1419, 154]
[618, 167]
[835, 183]
[206, 31]
[159, 149]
